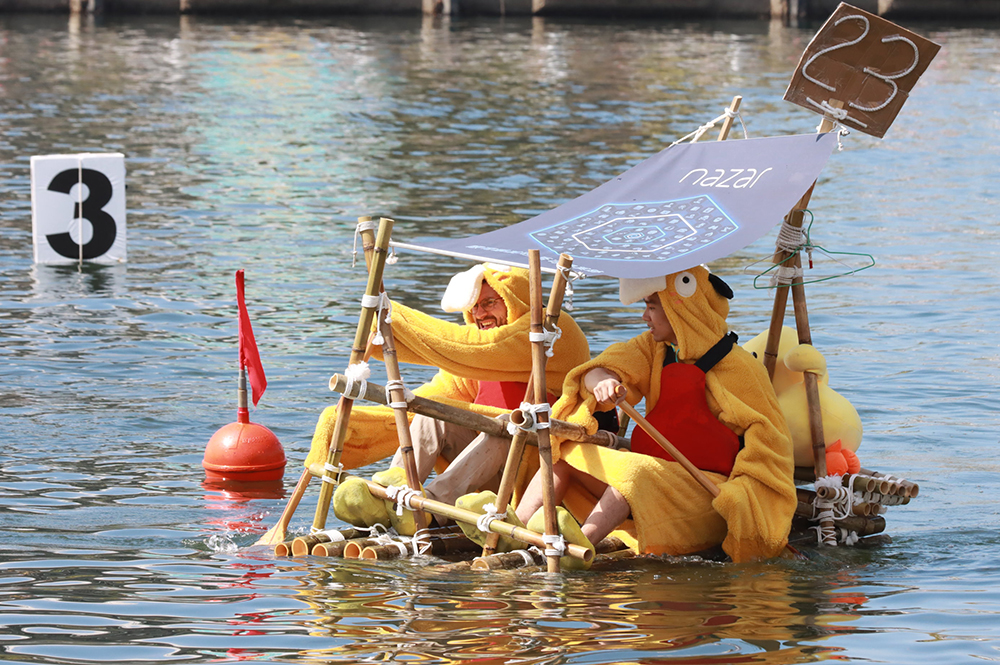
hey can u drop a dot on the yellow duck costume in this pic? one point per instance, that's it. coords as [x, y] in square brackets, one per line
[841, 422]
[467, 357]
[671, 512]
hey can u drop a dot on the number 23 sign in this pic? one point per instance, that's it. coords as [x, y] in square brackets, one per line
[864, 62]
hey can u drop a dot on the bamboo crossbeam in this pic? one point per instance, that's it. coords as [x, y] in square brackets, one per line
[527, 558]
[470, 517]
[453, 414]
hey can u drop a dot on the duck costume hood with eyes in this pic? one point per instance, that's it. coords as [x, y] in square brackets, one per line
[465, 356]
[671, 512]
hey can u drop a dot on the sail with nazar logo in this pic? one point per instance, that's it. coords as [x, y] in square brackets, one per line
[688, 204]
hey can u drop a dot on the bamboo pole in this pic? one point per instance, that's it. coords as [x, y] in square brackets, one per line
[459, 416]
[863, 526]
[277, 534]
[906, 488]
[538, 362]
[810, 380]
[397, 394]
[471, 517]
[527, 558]
[727, 124]
[357, 354]
[516, 450]
[439, 546]
[304, 545]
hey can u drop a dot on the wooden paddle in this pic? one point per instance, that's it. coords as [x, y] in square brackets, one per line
[695, 472]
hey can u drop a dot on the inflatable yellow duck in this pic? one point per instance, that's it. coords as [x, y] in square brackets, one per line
[841, 422]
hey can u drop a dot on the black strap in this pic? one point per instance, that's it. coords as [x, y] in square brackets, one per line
[717, 352]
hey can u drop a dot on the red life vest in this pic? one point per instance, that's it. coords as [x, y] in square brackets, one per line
[683, 417]
[502, 394]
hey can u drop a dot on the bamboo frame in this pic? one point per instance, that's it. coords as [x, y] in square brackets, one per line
[470, 517]
[397, 394]
[276, 535]
[459, 416]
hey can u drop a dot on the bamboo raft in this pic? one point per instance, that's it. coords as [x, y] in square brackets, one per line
[836, 510]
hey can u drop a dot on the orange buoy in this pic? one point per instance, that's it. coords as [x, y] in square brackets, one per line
[244, 451]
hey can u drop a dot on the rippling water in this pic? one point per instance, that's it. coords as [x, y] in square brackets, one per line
[256, 145]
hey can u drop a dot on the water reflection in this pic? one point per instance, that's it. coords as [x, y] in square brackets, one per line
[651, 608]
[112, 378]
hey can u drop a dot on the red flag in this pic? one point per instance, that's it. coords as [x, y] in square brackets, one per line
[249, 357]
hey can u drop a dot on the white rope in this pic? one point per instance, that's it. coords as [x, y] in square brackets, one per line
[698, 133]
[397, 384]
[848, 537]
[380, 303]
[362, 226]
[568, 296]
[334, 535]
[555, 544]
[548, 338]
[331, 468]
[529, 560]
[401, 495]
[531, 412]
[488, 517]
[356, 375]
[421, 542]
[786, 275]
[791, 238]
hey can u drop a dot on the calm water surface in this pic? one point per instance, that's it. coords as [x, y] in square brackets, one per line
[256, 145]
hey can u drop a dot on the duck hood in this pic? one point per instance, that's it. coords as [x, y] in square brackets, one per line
[510, 283]
[696, 303]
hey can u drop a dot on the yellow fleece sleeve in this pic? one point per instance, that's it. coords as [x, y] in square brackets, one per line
[631, 361]
[497, 354]
[758, 500]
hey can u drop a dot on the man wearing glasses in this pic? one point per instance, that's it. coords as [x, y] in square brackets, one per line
[483, 365]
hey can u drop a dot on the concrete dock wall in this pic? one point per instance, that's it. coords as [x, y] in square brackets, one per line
[777, 9]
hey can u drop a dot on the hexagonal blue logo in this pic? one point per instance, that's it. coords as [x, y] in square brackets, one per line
[644, 231]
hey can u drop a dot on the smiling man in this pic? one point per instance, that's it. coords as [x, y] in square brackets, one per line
[483, 365]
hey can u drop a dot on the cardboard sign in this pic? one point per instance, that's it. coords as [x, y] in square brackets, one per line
[78, 208]
[867, 64]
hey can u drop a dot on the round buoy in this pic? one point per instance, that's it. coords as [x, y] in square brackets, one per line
[244, 451]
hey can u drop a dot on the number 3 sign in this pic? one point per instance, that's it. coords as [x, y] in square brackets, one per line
[78, 208]
[864, 62]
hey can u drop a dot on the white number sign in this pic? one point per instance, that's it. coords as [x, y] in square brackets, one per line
[78, 208]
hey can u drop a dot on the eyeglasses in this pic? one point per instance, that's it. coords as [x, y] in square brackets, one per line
[487, 304]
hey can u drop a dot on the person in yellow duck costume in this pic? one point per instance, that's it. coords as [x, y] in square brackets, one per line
[484, 365]
[750, 457]
[842, 428]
